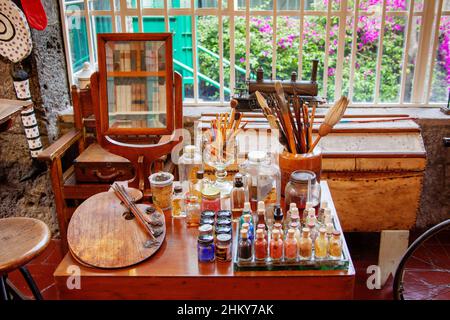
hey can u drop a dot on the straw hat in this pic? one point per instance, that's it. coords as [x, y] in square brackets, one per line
[15, 36]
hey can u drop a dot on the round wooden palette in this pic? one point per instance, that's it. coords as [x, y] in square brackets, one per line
[99, 235]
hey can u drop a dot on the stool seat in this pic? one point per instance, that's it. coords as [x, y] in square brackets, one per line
[21, 240]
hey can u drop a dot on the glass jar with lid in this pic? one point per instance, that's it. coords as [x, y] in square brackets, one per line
[210, 198]
[303, 187]
[189, 163]
[262, 178]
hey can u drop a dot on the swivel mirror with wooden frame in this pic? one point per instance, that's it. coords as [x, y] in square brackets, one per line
[136, 84]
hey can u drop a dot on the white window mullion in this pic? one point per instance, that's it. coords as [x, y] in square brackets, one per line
[422, 58]
[406, 51]
[380, 54]
[123, 17]
[300, 46]
[232, 54]
[327, 45]
[247, 39]
[434, 52]
[340, 50]
[194, 50]
[113, 16]
[166, 15]
[66, 37]
[140, 19]
[274, 41]
[354, 49]
[89, 33]
[221, 77]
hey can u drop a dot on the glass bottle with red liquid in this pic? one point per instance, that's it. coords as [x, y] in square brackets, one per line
[290, 246]
[261, 248]
[276, 246]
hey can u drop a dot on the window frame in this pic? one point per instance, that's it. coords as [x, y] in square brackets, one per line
[423, 72]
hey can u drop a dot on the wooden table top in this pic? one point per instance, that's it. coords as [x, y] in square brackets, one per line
[177, 257]
[10, 108]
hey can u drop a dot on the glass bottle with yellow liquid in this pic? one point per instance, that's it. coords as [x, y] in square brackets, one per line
[321, 245]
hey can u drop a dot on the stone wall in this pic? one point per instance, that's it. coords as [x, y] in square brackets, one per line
[435, 198]
[50, 93]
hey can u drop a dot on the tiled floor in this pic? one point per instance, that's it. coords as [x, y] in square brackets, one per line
[363, 248]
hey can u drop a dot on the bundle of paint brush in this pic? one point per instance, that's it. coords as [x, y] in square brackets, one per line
[224, 129]
[296, 128]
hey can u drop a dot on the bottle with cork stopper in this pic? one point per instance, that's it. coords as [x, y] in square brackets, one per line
[321, 215]
[261, 212]
[305, 213]
[335, 245]
[244, 246]
[238, 197]
[305, 245]
[290, 246]
[321, 245]
[261, 247]
[276, 246]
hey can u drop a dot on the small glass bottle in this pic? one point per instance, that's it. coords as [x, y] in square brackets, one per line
[247, 210]
[223, 247]
[335, 245]
[189, 163]
[327, 217]
[244, 246]
[305, 245]
[311, 218]
[329, 230]
[312, 231]
[193, 212]
[290, 246]
[251, 227]
[263, 228]
[196, 185]
[321, 216]
[279, 227]
[278, 215]
[295, 216]
[305, 212]
[238, 195]
[321, 245]
[178, 203]
[261, 212]
[210, 198]
[276, 246]
[296, 227]
[261, 248]
[205, 248]
[287, 218]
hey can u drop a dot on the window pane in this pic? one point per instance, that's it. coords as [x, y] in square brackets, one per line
[100, 5]
[261, 31]
[100, 24]
[261, 4]
[206, 3]
[314, 47]
[392, 60]
[208, 58]
[180, 3]
[239, 52]
[441, 73]
[412, 56]
[154, 24]
[78, 40]
[153, 4]
[182, 52]
[288, 29]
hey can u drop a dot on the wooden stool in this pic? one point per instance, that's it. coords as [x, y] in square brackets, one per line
[21, 240]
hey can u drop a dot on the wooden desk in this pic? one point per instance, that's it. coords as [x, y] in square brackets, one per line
[174, 273]
[9, 109]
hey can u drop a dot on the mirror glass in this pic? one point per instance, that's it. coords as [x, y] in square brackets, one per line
[136, 84]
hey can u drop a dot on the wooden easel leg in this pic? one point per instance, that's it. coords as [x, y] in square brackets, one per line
[393, 244]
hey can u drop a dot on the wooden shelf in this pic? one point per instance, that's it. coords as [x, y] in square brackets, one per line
[136, 74]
